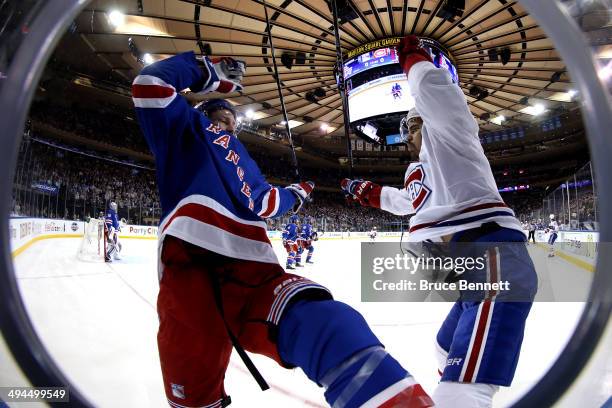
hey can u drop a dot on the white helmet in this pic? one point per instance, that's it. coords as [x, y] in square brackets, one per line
[412, 113]
[113, 206]
[552, 216]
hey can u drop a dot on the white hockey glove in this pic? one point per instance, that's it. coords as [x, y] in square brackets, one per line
[302, 193]
[222, 75]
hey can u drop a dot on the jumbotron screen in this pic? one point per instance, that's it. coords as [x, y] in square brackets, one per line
[376, 85]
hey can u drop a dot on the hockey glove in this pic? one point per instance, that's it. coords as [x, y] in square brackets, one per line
[302, 193]
[364, 192]
[222, 75]
[411, 51]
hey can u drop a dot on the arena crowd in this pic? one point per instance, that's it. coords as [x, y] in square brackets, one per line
[58, 182]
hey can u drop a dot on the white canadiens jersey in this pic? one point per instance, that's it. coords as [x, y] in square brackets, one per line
[452, 187]
[553, 226]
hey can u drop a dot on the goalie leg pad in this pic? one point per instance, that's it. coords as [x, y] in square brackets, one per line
[111, 250]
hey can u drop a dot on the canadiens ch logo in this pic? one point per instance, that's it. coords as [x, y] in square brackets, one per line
[418, 191]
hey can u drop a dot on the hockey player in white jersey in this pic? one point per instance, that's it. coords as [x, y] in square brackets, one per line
[553, 228]
[451, 191]
[373, 234]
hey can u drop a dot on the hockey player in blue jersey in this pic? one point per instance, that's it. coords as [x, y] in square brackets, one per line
[396, 91]
[307, 235]
[111, 229]
[220, 281]
[300, 243]
[290, 236]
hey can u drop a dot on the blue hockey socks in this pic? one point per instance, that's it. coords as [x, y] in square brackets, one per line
[309, 256]
[334, 346]
[290, 259]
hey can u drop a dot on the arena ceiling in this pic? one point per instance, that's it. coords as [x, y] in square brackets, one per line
[162, 28]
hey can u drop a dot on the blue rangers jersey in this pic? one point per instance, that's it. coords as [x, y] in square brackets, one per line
[111, 220]
[212, 193]
[290, 233]
[306, 232]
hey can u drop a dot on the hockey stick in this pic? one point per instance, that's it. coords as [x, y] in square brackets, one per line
[340, 80]
[280, 95]
[216, 286]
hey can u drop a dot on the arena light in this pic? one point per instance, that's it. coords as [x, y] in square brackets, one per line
[148, 59]
[324, 127]
[539, 109]
[137, 25]
[605, 72]
[116, 18]
[567, 96]
[534, 110]
[294, 123]
[498, 120]
[250, 114]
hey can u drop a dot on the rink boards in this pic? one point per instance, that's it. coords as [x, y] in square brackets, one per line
[577, 247]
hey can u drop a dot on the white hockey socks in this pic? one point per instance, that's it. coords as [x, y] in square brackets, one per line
[459, 395]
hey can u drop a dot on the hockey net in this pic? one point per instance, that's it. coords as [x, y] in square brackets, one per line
[93, 245]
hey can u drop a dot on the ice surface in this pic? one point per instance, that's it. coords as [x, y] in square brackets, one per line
[99, 322]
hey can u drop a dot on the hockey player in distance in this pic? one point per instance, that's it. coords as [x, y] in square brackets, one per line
[372, 234]
[112, 228]
[307, 235]
[290, 236]
[553, 228]
[396, 91]
[220, 280]
[532, 230]
[300, 243]
[451, 191]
